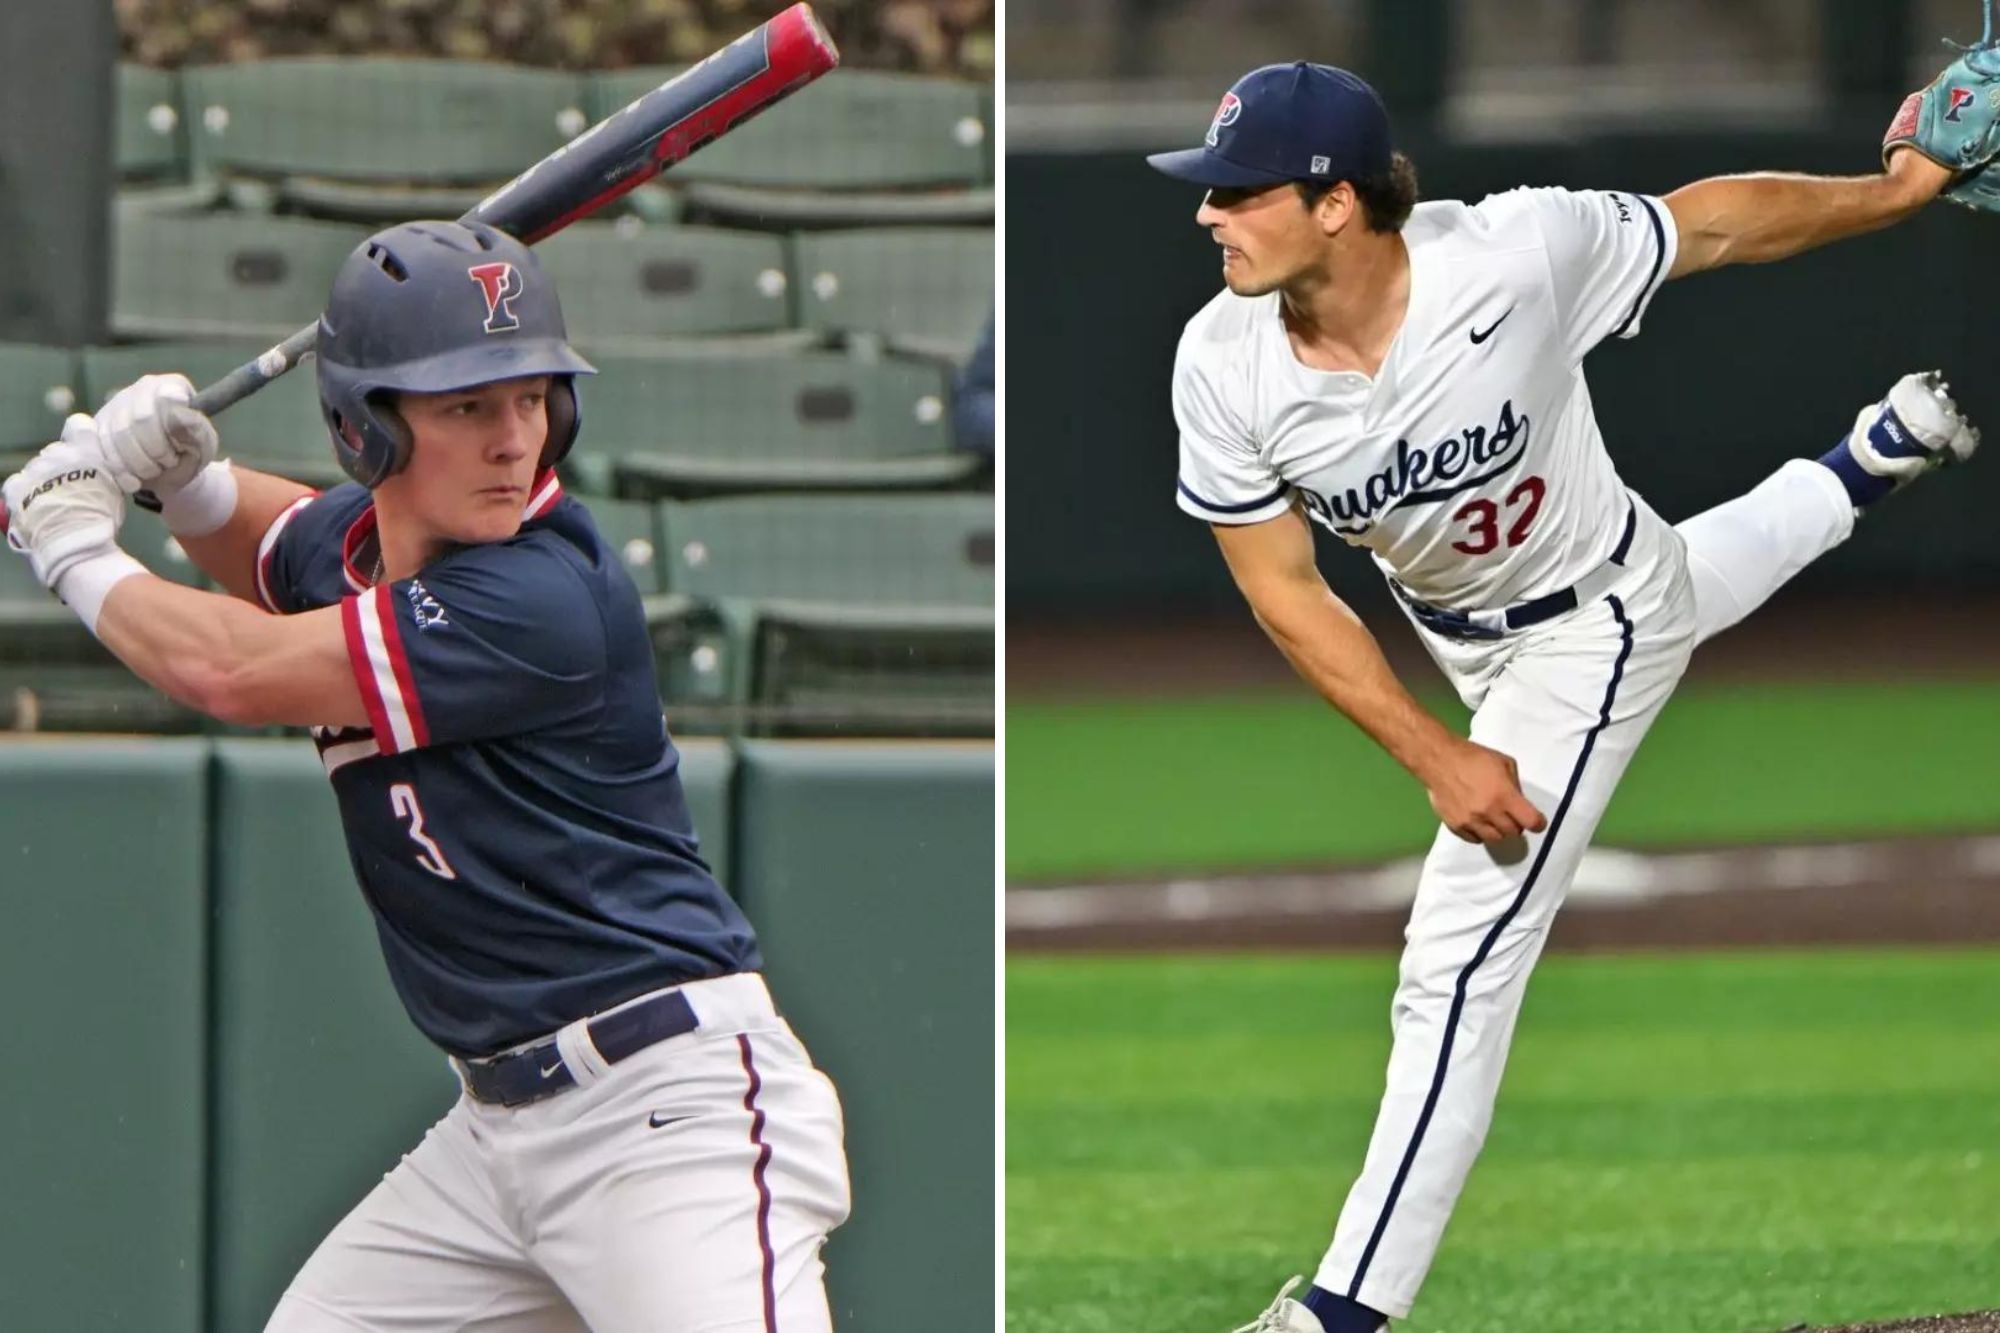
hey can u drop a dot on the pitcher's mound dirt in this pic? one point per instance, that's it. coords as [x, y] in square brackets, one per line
[1987, 1322]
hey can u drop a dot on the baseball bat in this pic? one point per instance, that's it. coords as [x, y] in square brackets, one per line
[619, 153]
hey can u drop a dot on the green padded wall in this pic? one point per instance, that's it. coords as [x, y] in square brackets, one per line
[101, 973]
[321, 1084]
[707, 767]
[868, 870]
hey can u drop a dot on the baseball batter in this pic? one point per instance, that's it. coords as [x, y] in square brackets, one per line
[641, 1144]
[1409, 376]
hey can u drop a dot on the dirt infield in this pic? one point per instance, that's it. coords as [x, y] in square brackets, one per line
[1909, 891]
[1985, 1322]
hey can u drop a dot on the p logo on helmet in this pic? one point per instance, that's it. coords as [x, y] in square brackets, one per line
[499, 283]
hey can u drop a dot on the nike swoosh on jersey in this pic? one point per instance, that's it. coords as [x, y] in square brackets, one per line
[657, 1121]
[1478, 337]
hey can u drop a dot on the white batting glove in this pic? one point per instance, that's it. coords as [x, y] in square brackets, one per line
[63, 508]
[152, 437]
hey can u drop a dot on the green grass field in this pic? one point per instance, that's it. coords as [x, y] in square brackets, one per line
[1102, 787]
[1686, 1144]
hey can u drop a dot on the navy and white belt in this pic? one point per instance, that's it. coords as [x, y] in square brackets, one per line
[538, 1071]
[1496, 624]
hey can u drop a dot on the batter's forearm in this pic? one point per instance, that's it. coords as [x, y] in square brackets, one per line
[1767, 216]
[1334, 652]
[229, 554]
[182, 641]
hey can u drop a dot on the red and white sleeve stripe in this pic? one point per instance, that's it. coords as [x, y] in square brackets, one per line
[548, 490]
[268, 547]
[382, 668]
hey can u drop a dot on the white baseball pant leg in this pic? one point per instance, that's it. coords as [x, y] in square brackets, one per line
[714, 1221]
[1480, 919]
[1569, 702]
[1743, 550]
[432, 1248]
[687, 1189]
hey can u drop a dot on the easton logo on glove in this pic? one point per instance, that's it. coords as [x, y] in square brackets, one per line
[62, 479]
[1961, 98]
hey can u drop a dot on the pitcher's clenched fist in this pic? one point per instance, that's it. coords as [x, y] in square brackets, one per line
[1476, 793]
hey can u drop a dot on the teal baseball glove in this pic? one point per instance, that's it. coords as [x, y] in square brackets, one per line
[1955, 122]
[1977, 189]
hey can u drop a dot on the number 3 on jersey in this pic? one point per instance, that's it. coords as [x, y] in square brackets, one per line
[1483, 518]
[403, 797]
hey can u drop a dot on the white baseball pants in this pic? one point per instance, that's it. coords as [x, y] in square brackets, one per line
[687, 1189]
[1569, 700]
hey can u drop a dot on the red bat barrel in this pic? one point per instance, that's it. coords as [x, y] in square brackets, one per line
[659, 129]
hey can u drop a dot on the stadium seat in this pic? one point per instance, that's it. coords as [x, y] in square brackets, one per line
[31, 620]
[863, 149]
[687, 636]
[882, 551]
[150, 142]
[55, 677]
[924, 290]
[861, 130]
[817, 421]
[630, 529]
[378, 138]
[277, 429]
[38, 388]
[989, 149]
[767, 209]
[181, 275]
[636, 289]
[145, 538]
[857, 614]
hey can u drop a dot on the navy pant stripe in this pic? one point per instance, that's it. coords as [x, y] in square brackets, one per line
[1486, 947]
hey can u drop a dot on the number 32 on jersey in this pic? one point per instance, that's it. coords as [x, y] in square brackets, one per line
[403, 797]
[1482, 518]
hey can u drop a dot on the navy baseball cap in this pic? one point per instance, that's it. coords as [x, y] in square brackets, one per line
[1286, 123]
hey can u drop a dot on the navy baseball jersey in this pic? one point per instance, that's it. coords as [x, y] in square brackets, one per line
[514, 813]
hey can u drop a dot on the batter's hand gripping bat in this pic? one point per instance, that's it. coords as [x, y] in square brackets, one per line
[622, 151]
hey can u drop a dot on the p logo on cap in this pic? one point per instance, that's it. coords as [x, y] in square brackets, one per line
[1306, 113]
[1225, 114]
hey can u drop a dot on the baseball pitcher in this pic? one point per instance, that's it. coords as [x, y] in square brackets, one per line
[1410, 377]
[641, 1144]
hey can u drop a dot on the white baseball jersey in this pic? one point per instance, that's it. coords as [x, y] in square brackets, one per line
[1471, 465]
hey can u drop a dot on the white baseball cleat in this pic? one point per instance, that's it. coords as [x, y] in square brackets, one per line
[1285, 1315]
[1917, 427]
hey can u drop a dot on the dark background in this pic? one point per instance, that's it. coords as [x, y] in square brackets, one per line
[1733, 373]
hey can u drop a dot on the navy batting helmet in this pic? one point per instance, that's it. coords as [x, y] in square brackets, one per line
[426, 307]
